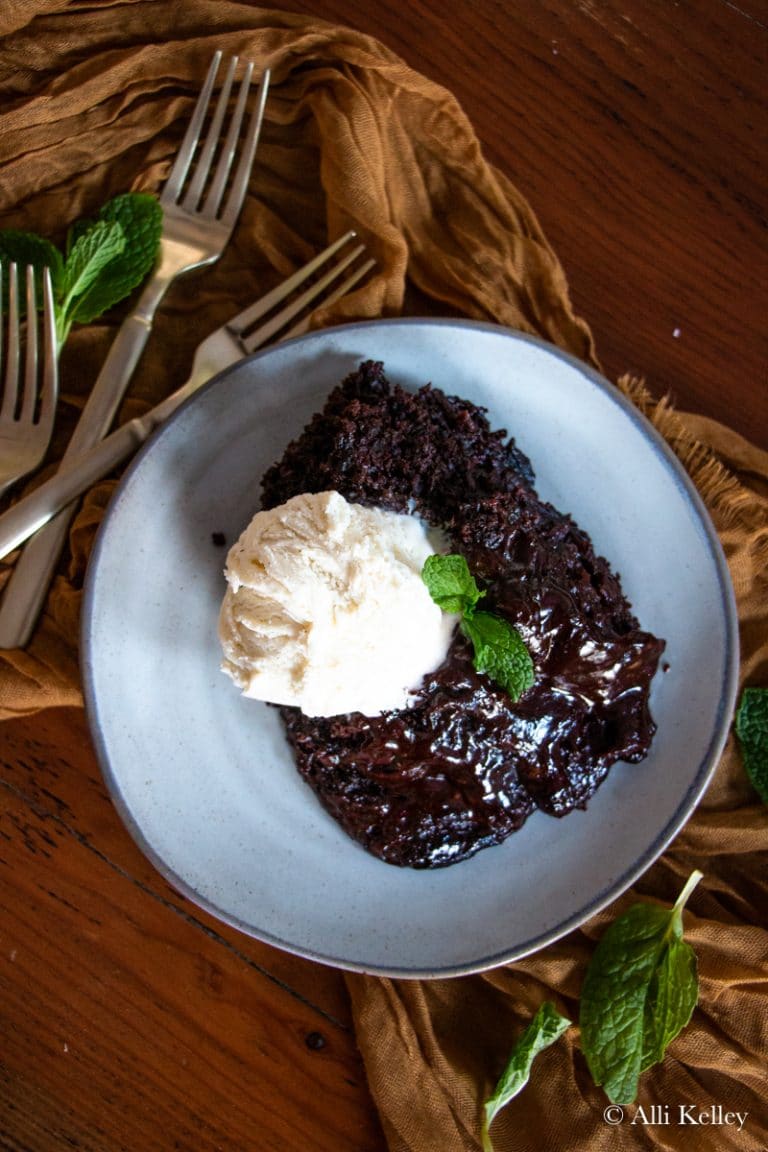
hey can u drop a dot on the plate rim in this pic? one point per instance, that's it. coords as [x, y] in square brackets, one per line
[685, 808]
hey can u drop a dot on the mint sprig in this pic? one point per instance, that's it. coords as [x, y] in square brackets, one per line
[91, 253]
[500, 652]
[545, 1028]
[499, 649]
[141, 219]
[451, 584]
[752, 731]
[639, 993]
[105, 258]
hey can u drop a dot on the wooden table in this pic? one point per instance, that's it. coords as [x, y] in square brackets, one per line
[129, 1018]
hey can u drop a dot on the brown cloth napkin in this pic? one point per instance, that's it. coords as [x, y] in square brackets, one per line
[94, 100]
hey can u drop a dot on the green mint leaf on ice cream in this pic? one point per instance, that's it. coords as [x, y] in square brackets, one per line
[639, 992]
[450, 583]
[499, 649]
[545, 1028]
[752, 731]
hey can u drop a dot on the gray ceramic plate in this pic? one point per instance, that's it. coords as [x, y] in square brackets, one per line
[204, 779]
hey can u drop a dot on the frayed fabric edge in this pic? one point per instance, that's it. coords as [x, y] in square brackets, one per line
[720, 489]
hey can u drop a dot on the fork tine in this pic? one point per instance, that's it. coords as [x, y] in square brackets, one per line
[178, 173]
[203, 165]
[50, 389]
[11, 388]
[243, 171]
[283, 290]
[292, 309]
[227, 155]
[302, 325]
[29, 401]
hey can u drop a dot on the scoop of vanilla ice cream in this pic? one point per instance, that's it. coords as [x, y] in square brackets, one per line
[326, 610]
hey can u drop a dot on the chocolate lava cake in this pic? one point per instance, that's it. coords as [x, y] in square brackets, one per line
[465, 766]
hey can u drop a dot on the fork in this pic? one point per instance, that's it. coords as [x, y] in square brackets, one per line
[26, 417]
[237, 338]
[201, 201]
[223, 347]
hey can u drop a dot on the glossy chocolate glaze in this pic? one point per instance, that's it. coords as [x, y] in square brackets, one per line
[465, 766]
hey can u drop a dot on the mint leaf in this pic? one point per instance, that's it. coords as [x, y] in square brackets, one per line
[141, 219]
[752, 731]
[450, 582]
[94, 248]
[545, 1028]
[27, 248]
[105, 258]
[500, 651]
[672, 997]
[639, 992]
[92, 251]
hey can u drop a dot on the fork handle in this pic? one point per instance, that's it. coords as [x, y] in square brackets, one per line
[108, 391]
[29, 514]
[40, 506]
[28, 586]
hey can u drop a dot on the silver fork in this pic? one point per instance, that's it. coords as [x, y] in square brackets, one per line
[200, 207]
[238, 338]
[283, 314]
[26, 415]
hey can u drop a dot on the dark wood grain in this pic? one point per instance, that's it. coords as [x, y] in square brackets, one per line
[132, 1019]
[129, 1018]
[638, 132]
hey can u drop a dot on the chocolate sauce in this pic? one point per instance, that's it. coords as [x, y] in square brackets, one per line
[465, 766]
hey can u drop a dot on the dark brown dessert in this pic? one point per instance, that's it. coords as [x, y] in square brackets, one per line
[465, 766]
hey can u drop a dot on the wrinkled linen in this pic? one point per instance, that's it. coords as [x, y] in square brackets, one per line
[94, 101]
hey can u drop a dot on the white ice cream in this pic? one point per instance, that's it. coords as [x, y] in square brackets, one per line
[326, 609]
